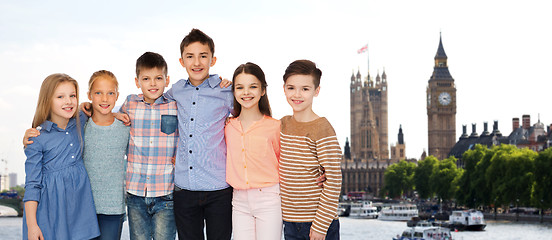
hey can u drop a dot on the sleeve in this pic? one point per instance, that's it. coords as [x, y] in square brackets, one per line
[33, 172]
[169, 94]
[124, 107]
[276, 142]
[329, 157]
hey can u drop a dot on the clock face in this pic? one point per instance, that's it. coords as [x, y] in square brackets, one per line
[444, 98]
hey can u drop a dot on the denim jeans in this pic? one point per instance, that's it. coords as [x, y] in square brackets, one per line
[193, 208]
[301, 230]
[151, 217]
[111, 226]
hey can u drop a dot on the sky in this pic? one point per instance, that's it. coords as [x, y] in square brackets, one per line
[498, 54]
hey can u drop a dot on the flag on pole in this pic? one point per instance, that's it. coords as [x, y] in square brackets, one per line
[363, 49]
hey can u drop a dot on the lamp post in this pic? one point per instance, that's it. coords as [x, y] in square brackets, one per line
[517, 209]
[541, 211]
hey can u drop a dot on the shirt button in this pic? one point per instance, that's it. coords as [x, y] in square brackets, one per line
[197, 88]
[243, 149]
[193, 103]
[192, 119]
[66, 133]
[190, 135]
[190, 151]
[244, 166]
[71, 144]
[191, 167]
[72, 156]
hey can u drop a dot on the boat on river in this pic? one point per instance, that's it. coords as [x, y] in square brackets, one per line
[471, 220]
[363, 209]
[425, 231]
[398, 212]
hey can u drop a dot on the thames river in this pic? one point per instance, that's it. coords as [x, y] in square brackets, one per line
[361, 229]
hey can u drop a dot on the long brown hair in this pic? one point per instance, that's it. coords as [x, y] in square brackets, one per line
[255, 70]
[44, 105]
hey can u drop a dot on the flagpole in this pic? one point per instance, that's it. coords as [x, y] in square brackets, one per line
[368, 58]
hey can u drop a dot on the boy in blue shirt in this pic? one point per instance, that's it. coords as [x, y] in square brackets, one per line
[201, 193]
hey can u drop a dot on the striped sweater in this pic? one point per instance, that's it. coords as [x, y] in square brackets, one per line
[305, 147]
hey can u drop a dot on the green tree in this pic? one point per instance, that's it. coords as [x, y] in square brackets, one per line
[510, 175]
[422, 175]
[398, 178]
[542, 195]
[444, 177]
[469, 182]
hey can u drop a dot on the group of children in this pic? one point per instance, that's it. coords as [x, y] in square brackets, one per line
[201, 154]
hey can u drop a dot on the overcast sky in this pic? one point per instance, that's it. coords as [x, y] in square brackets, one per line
[498, 53]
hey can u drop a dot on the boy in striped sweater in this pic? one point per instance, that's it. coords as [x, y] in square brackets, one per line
[308, 144]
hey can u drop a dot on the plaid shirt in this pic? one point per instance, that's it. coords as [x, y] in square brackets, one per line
[153, 140]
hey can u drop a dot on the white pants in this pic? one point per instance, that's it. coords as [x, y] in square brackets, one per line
[257, 214]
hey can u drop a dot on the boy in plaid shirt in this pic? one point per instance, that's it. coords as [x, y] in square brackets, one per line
[153, 139]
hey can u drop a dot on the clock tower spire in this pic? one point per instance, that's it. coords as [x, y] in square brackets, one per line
[441, 107]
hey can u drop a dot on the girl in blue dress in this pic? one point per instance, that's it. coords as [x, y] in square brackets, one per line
[58, 197]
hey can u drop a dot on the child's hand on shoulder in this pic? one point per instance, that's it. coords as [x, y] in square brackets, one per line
[86, 108]
[29, 133]
[225, 83]
[123, 118]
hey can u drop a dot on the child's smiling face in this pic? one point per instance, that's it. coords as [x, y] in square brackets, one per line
[197, 58]
[152, 82]
[300, 92]
[64, 103]
[103, 95]
[248, 91]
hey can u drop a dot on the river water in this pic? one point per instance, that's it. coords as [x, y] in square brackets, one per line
[362, 229]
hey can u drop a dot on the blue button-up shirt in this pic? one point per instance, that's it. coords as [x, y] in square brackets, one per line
[201, 153]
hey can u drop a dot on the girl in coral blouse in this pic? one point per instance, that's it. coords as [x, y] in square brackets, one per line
[253, 150]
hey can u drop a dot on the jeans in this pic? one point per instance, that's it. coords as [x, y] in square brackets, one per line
[193, 208]
[151, 217]
[301, 230]
[257, 213]
[111, 226]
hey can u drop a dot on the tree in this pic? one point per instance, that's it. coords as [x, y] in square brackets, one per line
[422, 175]
[470, 181]
[541, 195]
[398, 178]
[443, 178]
[510, 174]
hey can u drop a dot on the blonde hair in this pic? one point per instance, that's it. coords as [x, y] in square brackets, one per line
[44, 105]
[105, 74]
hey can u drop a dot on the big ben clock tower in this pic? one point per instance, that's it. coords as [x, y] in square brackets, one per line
[441, 107]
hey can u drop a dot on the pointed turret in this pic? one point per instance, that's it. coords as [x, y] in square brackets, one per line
[401, 136]
[440, 51]
[384, 76]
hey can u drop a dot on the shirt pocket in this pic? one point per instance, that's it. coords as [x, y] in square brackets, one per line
[258, 147]
[169, 123]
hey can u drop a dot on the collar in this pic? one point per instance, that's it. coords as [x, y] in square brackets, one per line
[48, 125]
[159, 100]
[213, 81]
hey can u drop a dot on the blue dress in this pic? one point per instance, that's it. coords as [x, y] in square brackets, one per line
[57, 180]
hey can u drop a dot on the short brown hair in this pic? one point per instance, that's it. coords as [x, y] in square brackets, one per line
[197, 35]
[304, 67]
[150, 60]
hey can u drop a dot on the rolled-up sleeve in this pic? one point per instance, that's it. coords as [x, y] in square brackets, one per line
[33, 172]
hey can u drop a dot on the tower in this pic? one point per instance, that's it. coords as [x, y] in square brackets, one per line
[441, 107]
[369, 117]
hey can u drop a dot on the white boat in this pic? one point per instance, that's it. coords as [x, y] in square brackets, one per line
[398, 212]
[425, 231]
[343, 209]
[363, 209]
[471, 220]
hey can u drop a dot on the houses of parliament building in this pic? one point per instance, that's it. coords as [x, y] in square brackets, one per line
[366, 156]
